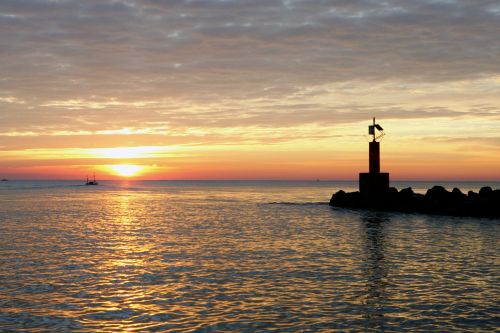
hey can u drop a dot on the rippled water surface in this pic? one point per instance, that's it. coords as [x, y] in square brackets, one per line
[236, 257]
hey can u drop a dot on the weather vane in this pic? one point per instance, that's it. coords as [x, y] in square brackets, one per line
[372, 131]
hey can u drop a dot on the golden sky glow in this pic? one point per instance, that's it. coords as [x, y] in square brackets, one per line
[238, 90]
[126, 170]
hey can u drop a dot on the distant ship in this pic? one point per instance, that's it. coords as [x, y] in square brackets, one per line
[91, 182]
[4, 180]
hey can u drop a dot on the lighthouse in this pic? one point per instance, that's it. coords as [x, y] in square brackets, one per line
[374, 182]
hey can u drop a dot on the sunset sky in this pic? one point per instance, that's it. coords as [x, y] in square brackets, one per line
[248, 89]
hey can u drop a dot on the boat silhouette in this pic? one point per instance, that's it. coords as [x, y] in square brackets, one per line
[91, 182]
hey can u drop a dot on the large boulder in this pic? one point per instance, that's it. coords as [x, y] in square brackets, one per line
[406, 193]
[343, 199]
[436, 200]
[457, 196]
[485, 191]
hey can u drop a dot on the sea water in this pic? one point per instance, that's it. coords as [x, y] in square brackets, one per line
[226, 256]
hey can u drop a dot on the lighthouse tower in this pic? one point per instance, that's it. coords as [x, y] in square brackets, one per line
[374, 182]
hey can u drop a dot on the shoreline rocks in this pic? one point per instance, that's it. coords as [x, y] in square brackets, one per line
[437, 200]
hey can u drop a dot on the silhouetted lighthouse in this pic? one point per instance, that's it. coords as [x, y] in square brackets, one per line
[374, 182]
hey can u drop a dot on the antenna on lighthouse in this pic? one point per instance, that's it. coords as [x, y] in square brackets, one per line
[372, 130]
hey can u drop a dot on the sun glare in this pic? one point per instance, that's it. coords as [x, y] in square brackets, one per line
[126, 170]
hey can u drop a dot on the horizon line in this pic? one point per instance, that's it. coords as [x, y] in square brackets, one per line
[276, 180]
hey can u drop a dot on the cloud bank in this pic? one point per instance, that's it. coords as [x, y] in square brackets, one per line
[223, 71]
[131, 49]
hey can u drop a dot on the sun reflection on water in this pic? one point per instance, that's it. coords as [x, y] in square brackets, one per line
[174, 259]
[126, 265]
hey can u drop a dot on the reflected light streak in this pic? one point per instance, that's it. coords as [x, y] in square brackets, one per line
[126, 259]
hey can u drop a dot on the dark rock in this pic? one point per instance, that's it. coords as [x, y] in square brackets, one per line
[485, 191]
[457, 196]
[344, 199]
[437, 200]
[392, 190]
[407, 192]
[472, 194]
[339, 195]
[436, 192]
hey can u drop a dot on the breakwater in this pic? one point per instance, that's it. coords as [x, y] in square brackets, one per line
[437, 200]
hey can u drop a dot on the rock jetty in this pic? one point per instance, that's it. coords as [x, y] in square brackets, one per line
[437, 200]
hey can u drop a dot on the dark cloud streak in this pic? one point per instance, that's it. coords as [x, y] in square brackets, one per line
[233, 48]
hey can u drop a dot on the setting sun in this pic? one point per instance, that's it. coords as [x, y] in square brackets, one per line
[126, 170]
